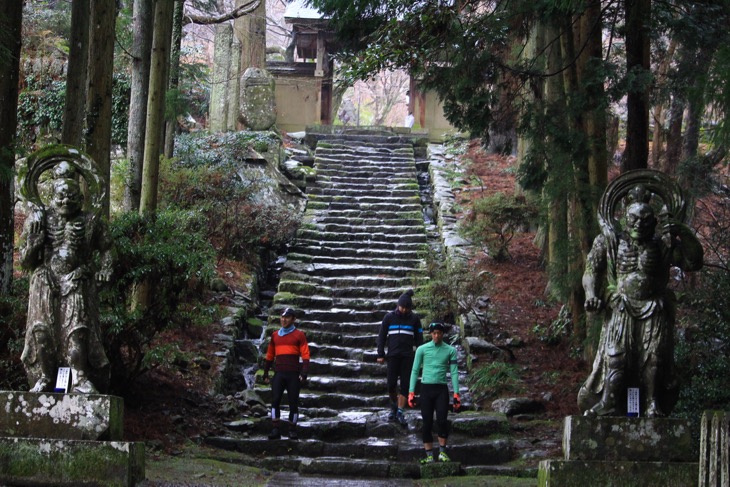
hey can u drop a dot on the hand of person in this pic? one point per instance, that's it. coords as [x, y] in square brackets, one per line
[594, 304]
[457, 403]
[303, 379]
[265, 378]
[380, 360]
[412, 399]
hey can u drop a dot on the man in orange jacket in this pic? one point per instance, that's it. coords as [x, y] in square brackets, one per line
[287, 346]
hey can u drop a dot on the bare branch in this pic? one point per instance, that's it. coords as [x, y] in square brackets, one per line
[237, 12]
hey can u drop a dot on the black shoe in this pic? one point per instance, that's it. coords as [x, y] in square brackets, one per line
[401, 419]
[293, 434]
[275, 435]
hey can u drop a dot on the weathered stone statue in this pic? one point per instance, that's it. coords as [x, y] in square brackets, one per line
[626, 277]
[61, 245]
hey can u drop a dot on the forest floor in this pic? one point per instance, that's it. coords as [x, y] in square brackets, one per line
[174, 407]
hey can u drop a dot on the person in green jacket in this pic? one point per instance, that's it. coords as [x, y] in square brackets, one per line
[436, 358]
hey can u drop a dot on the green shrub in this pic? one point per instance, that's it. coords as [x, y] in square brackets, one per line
[13, 311]
[493, 221]
[172, 255]
[493, 380]
[702, 351]
[452, 289]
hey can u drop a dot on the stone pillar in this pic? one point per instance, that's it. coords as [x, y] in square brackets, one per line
[222, 74]
[714, 468]
[258, 105]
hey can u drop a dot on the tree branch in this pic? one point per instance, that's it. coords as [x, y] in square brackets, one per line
[237, 12]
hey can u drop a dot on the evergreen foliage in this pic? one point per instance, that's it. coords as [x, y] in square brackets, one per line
[493, 221]
[172, 252]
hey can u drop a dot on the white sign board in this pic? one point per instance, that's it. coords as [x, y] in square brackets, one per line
[632, 406]
[63, 379]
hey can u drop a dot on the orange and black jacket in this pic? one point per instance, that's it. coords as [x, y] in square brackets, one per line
[286, 350]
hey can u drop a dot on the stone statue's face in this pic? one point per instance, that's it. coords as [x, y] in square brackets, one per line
[640, 221]
[66, 197]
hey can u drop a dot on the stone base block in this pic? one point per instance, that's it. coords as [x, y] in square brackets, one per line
[561, 473]
[68, 416]
[627, 439]
[34, 461]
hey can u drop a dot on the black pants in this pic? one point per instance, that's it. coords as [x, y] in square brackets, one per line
[399, 368]
[435, 397]
[289, 382]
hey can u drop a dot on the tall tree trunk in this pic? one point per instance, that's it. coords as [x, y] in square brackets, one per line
[160, 62]
[11, 15]
[76, 79]
[674, 136]
[98, 126]
[638, 14]
[174, 83]
[660, 113]
[251, 31]
[143, 17]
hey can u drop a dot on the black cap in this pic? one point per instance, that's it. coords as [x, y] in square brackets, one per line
[288, 312]
[438, 326]
[405, 300]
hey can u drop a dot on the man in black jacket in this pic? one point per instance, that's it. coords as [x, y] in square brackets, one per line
[401, 331]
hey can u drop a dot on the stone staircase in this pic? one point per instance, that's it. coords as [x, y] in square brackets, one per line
[360, 247]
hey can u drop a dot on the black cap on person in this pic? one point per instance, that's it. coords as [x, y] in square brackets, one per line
[405, 299]
[288, 312]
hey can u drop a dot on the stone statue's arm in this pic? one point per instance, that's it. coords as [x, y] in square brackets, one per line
[594, 274]
[687, 251]
[34, 235]
[103, 243]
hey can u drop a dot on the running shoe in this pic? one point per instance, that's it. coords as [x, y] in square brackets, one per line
[443, 457]
[428, 459]
[401, 418]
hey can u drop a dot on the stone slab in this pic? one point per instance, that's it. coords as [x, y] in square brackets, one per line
[627, 439]
[561, 473]
[35, 461]
[57, 415]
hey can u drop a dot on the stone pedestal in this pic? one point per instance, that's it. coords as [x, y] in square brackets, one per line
[66, 439]
[614, 451]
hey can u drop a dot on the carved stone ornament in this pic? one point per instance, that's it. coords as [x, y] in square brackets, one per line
[61, 244]
[643, 234]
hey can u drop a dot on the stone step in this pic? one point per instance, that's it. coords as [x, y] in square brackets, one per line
[365, 173]
[321, 303]
[367, 202]
[337, 207]
[308, 242]
[362, 192]
[333, 315]
[377, 237]
[343, 162]
[365, 153]
[344, 259]
[338, 179]
[334, 270]
[374, 230]
[395, 219]
[308, 288]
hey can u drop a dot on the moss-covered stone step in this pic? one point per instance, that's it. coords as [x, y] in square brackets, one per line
[341, 270]
[345, 181]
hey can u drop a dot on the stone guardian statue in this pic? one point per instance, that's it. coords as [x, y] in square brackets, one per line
[61, 244]
[643, 234]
